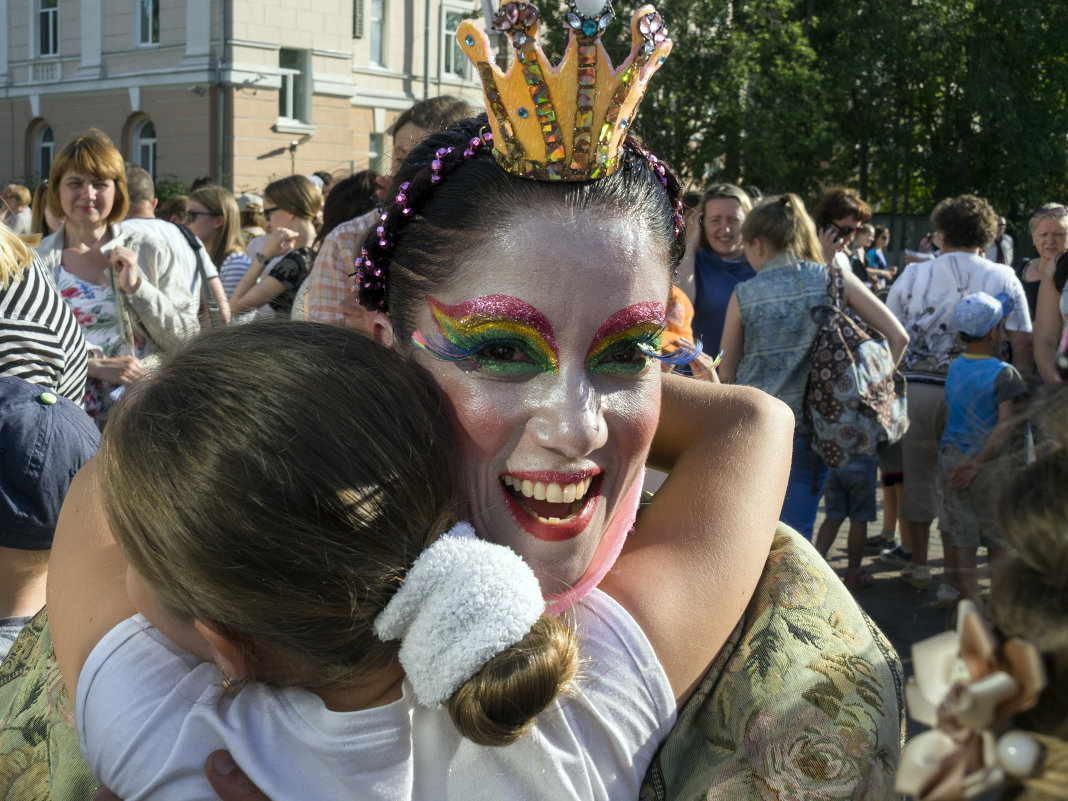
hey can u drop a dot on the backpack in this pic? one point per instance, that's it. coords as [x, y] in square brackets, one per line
[854, 402]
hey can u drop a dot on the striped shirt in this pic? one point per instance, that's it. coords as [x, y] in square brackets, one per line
[40, 341]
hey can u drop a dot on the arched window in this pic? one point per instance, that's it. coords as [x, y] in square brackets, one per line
[44, 150]
[144, 146]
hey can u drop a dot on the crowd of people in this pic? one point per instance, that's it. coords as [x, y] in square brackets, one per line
[414, 558]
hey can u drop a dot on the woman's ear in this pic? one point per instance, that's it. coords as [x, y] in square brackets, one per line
[382, 329]
[227, 654]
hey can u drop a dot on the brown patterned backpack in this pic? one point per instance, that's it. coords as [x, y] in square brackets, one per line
[854, 401]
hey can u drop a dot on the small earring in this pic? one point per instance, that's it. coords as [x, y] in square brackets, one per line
[228, 684]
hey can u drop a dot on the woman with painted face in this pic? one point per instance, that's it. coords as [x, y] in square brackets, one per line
[536, 304]
[714, 262]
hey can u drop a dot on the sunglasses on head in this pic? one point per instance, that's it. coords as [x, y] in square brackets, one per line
[1050, 211]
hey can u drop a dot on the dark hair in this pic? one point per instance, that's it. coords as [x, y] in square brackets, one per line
[879, 231]
[434, 114]
[476, 196]
[38, 223]
[176, 206]
[965, 221]
[276, 481]
[838, 202]
[139, 185]
[349, 198]
[295, 194]
[201, 182]
[1060, 272]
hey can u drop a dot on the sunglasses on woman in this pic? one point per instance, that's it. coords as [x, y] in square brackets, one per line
[1050, 211]
[191, 216]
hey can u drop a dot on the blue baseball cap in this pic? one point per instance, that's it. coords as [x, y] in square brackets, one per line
[44, 441]
[976, 315]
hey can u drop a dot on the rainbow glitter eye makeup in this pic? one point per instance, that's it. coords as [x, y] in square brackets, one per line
[503, 336]
[627, 341]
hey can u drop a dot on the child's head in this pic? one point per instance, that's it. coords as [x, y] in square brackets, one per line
[276, 482]
[1029, 596]
[977, 317]
[781, 225]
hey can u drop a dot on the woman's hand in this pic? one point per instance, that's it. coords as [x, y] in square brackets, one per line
[829, 242]
[227, 779]
[278, 242]
[117, 369]
[124, 261]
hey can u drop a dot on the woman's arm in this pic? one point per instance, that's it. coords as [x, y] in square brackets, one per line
[732, 342]
[249, 294]
[86, 578]
[158, 292]
[1048, 325]
[689, 569]
[875, 313]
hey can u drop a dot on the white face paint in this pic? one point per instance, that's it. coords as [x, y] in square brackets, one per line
[555, 410]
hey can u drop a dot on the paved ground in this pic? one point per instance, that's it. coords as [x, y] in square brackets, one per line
[905, 614]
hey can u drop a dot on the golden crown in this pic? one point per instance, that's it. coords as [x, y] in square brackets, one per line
[565, 123]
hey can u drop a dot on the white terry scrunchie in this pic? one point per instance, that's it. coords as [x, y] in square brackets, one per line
[463, 602]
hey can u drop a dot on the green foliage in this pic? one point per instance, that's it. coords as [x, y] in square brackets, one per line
[168, 186]
[910, 101]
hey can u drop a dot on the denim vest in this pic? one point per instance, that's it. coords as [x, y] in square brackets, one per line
[776, 308]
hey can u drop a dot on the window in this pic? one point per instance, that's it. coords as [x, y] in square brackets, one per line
[293, 94]
[48, 28]
[378, 24]
[144, 146]
[377, 155]
[149, 22]
[454, 62]
[44, 150]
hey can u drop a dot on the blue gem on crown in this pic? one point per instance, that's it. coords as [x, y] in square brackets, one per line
[589, 18]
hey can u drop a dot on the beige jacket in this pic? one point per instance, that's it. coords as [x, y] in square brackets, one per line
[163, 310]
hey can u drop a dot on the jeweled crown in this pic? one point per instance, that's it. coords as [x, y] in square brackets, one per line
[565, 123]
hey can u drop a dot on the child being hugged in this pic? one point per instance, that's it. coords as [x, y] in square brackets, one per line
[981, 396]
[280, 493]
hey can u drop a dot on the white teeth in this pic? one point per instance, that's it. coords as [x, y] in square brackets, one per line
[551, 492]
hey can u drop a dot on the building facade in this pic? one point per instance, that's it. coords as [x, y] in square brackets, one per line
[242, 91]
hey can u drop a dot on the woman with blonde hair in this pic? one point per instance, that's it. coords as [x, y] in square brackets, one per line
[769, 330]
[714, 262]
[40, 341]
[1049, 232]
[290, 207]
[126, 290]
[213, 216]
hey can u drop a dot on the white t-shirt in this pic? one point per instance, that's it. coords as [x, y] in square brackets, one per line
[148, 714]
[923, 299]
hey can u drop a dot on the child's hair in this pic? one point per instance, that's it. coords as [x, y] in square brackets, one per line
[276, 482]
[1029, 595]
[781, 222]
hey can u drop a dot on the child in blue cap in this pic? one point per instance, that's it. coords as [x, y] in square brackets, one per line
[981, 396]
[44, 440]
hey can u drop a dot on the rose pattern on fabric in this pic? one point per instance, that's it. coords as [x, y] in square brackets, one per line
[804, 702]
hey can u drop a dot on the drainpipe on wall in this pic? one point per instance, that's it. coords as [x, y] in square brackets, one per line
[220, 92]
[426, 53]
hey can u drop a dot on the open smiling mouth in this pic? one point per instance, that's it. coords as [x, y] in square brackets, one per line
[550, 506]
